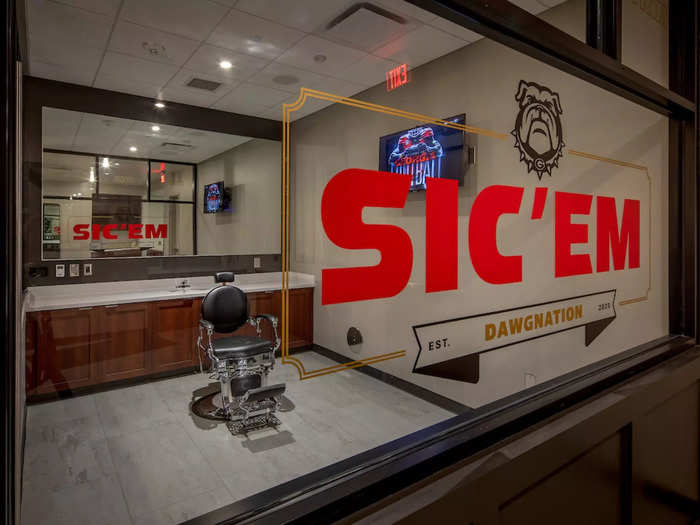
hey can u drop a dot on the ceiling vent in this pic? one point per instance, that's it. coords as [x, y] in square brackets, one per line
[174, 147]
[367, 26]
[200, 83]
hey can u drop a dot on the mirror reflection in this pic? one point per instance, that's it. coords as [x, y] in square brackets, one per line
[114, 187]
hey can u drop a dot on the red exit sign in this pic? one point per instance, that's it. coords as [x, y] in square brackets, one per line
[397, 77]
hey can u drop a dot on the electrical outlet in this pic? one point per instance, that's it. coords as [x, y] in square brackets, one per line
[256, 263]
[74, 270]
[60, 270]
[530, 380]
[87, 269]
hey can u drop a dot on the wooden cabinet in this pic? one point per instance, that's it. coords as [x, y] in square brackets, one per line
[79, 347]
[174, 334]
[65, 350]
[123, 341]
[30, 330]
[301, 317]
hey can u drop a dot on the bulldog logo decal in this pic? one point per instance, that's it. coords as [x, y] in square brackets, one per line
[538, 132]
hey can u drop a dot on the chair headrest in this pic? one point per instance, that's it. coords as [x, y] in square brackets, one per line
[226, 307]
[224, 277]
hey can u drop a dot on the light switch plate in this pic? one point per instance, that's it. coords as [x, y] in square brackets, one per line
[87, 269]
[60, 270]
[256, 263]
[74, 270]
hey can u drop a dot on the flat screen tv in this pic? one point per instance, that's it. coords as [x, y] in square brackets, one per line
[215, 200]
[425, 151]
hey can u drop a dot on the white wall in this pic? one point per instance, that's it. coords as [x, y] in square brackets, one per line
[253, 173]
[481, 80]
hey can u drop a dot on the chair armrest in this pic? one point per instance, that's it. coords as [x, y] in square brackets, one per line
[206, 329]
[272, 320]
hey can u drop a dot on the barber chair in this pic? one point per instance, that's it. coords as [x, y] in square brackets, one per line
[240, 363]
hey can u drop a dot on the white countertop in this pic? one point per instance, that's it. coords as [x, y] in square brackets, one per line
[96, 294]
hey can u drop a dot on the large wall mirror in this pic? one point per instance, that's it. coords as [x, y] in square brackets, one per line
[115, 187]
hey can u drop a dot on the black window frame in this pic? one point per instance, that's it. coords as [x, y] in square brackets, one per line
[336, 491]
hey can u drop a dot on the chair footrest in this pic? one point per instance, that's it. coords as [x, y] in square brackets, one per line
[264, 392]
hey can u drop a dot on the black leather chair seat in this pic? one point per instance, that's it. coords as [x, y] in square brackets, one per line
[239, 346]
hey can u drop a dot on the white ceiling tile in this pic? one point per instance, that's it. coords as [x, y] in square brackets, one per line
[227, 3]
[143, 145]
[551, 3]
[253, 96]
[183, 17]
[366, 29]
[337, 86]
[70, 61]
[60, 23]
[286, 78]
[178, 86]
[369, 71]
[306, 15]
[190, 95]
[400, 7]
[115, 65]
[144, 129]
[311, 105]
[135, 40]
[234, 105]
[273, 113]
[59, 127]
[455, 30]
[99, 134]
[531, 6]
[303, 54]
[206, 60]
[253, 35]
[103, 7]
[61, 73]
[127, 84]
[420, 46]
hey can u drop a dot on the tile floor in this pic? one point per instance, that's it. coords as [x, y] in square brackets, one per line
[136, 455]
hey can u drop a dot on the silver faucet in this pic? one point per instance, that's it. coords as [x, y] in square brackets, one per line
[182, 284]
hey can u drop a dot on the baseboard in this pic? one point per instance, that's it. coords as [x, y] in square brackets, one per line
[423, 393]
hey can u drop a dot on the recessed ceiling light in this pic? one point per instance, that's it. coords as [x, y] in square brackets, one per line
[159, 105]
[225, 64]
[155, 128]
[116, 164]
[133, 148]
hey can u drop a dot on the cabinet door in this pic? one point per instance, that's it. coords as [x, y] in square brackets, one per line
[123, 341]
[266, 303]
[173, 337]
[65, 349]
[301, 317]
[31, 327]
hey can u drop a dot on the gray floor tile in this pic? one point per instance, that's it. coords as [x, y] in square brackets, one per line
[186, 509]
[67, 453]
[98, 501]
[128, 410]
[62, 410]
[160, 466]
[170, 466]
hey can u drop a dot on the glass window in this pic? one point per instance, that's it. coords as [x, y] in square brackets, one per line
[474, 232]
[123, 176]
[645, 38]
[172, 182]
[66, 175]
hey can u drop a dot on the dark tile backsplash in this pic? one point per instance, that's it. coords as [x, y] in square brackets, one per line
[141, 268]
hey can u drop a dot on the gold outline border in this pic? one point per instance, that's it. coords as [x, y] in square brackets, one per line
[287, 109]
